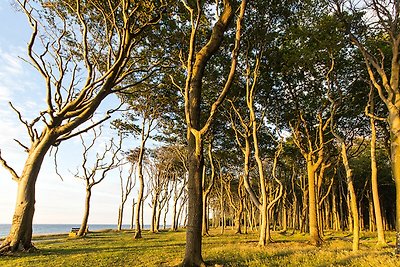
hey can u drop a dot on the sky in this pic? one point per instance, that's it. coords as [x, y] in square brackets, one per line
[57, 201]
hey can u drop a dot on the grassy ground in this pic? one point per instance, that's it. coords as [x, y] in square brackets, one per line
[167, 248]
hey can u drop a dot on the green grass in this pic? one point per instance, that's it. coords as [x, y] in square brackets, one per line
[167, 249]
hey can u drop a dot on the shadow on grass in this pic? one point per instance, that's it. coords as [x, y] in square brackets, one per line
[243, 261]
[346, 261]
[136, 249]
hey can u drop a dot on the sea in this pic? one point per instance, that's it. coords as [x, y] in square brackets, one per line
[43, 229]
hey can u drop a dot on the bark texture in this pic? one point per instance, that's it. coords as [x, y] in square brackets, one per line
[20, 236]
[84, 224]
[196, 65]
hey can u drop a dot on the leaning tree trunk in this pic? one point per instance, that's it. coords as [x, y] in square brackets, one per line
[82, 229]
[20, 236]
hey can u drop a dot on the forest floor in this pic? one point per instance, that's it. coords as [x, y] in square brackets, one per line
[111, 248]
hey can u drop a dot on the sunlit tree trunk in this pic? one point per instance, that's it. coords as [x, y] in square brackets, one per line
[20, 235]
[196, 65]
[394, 122]
[374, 173]
[154, 202]
[120, 217]
[207, 190]
[145, 133]
[69, 104]
[315, 238]
[133, 213]
[313, 153]
[353, 199]
[284, 224]
[205, 217]
[240, 211]
[84, 224]
[384, 72]
[138, 227]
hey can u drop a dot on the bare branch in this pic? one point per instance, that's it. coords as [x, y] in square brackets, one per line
[56, 163]
[8, 168]
[231, 75]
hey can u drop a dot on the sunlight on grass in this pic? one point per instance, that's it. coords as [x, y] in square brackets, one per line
[167, 249]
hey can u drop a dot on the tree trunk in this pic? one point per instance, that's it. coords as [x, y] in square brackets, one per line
[264, 224]
[371, 213]
[349, 216]
[174, 226]
[284, 214]
[142, 216]
[120, 214]
[154, 214]
[133, 213]
[195, 205]
[138, 229]
[239, 215]
[165, 216]
[20, 236]
[394, 122]
[82, 229]
[353, 199]
[374, 185]
[205, 222]
[197, 62]
[315, 238]
[158, 216]
[336, 217]
[222, 207]
[245, 215]
[180, 212]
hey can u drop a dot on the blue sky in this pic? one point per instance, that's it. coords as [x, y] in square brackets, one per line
[57, 201]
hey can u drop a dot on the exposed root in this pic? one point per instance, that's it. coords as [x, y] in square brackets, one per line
[192, 263]
[137, 235]
[7, 249]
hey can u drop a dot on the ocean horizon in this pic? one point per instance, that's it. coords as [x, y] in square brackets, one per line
[40, 229]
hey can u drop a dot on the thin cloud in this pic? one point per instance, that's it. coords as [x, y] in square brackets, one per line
[11, 64]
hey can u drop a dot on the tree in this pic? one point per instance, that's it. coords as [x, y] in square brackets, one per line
[126, 189]
[178, 183]
[147, 106]
[89, 174]
[369, 111]
[349, 173]
[250, 130]
[85, 52]
[161, 172]
[136, 156]
[195, 70]
[378, 42]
